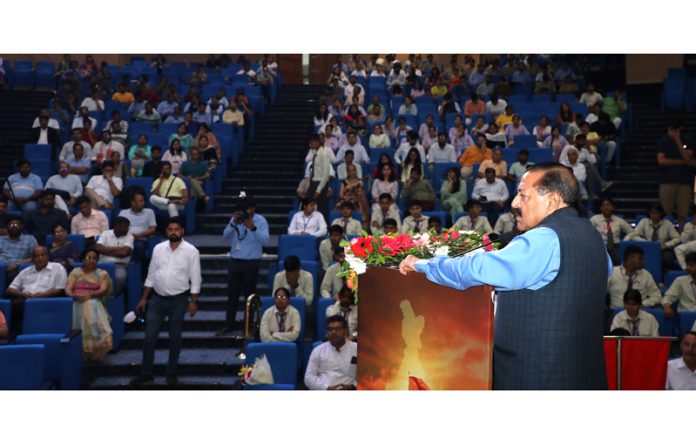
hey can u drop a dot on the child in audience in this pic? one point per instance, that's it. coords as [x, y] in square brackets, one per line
[281, 322]
[637, 322]
[331, 284]
[345, 306]
[350, 225]
[434, 223]
[386, 209]
[327, 246]
[474, 221]
[416, 221]
[682, 290]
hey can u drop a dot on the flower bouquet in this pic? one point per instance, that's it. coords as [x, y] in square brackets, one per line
[390, 250]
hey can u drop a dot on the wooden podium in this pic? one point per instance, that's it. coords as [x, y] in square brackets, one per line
[411, 327]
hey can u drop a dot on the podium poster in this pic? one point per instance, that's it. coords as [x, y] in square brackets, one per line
[415, 334]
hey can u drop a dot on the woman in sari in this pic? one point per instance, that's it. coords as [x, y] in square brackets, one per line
[88, 287]
[62, 250]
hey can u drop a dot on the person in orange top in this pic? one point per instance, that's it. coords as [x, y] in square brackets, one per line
[122, 95]
[474, 154]
[473, 106]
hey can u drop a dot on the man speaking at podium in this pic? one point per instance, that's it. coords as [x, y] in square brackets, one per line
[551, 284]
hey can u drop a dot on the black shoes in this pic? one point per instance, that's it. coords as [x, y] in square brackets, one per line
[141, 380]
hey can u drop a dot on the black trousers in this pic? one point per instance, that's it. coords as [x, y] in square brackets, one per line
[243, 275]
[323, 202]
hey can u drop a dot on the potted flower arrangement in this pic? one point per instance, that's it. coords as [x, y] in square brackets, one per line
[390, 250]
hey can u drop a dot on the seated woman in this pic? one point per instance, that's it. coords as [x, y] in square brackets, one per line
[384, 159]
[412, 161]
[138, 155]
[453, 195]
[208, 152]
[184, 138]
[175, 155]
[542, 130]
[378, 139]
[89, 287]
[565, 114]
[424, 127]
[494, 137]
[384, 183]
[62, 250]
[556, 142]
[353, 190]
[204, 131]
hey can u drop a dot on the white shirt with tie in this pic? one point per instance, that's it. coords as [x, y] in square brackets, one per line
[617, 225]
[642, 281]
[270, 330]
[378, 217]
[683, 289]
[350, 225]
[350, 314]
[481, 223]
[419, 226]
[646, 324]
[331, 284]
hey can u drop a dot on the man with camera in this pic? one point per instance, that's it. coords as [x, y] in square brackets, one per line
[248, 234]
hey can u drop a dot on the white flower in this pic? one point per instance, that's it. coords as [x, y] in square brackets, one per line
[357, 264]
[442, 251]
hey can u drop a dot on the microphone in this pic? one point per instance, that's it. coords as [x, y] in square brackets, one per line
[493, 239]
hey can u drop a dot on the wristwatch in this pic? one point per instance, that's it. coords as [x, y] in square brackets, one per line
[190, 299]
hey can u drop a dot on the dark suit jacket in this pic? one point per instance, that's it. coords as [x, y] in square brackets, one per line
[53, 137]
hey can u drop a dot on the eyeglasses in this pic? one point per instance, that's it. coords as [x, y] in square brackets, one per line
[283, 298]
[15, 224]
[334, 329]
[90, 258]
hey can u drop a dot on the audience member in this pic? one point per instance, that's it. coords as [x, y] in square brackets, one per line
[352, 190]
[3, 216]
[492, 192]
[40, 222]
[319, 175]
[453, 195]
[473, 155]
[611, 228]
[418, 189]
[83, 115]
[15, 248]
[308, 221]
[66, 187]
[495, 106]
[590, 96]
[332, 365]
[688, 242]
[474, 221]
[681, 372]
[631, 276]
[45, 135]
[103, 188]
[636, 321]
[342, 169]
[42, 279]
[350, 225]
[197, 172]
[385, 211]
[89, 287]
[441, 152]
[415, 222]
[142, 224]
[103, 149]
[62, 250]
[168, 191]
[22, 189]
[299, 283]
[281, 322]
[656, 228]
[683, 290]
[515, 129]
[331, 284]
[345, 307]
[88, 222]
[329, 245]
[116, 246]
[139, 154]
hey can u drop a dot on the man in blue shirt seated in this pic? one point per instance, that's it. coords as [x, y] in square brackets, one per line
[248, 234]
[22, 189]
[551, 283]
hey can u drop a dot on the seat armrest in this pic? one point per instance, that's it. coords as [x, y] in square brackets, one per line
[71, 335]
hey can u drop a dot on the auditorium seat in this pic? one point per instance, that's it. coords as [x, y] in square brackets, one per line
[282, 357]
[525, 141]
[298, 302]
[78, 240]
[303, 246]
[49, 322]
[22, 367]
[6, 309]
[322, 305]
[686, 322]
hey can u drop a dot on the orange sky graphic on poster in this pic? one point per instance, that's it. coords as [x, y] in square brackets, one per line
[412, 327]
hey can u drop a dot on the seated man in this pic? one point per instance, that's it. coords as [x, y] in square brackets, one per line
[345, 307]
[79, 120]
[474, 221]
[492, 193]
[149, 114]
[299, 282]
[15, 248]
[79, 164]
[22, 189]
[415, 221]
[332, 364]
[168, 192]
[143, 224]
[116, 246]
[632, 276]
[611, 228]
[435, 223]
[102, 150]
[384, 210]
[496, 162]
[633, 319]
[88, 222]
[45, 135]
[102, 188]
[328, 246]
[67, 187]
[43, 279]
[682, 290]
[282, 322]
[350, 225]
[331, 284]
[152, 167]
[688, 242]
[418, 188]
[681, 372]
[40, 222]
[68, 150]
[197, 172]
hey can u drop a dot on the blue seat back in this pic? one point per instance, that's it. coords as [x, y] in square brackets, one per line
[441, 214]
[21, 367]
[77, 239]
[440, 172]
[53, 315]
[299, 303]
[525, 142]
[322, 305]
[282, 356]
[652, 254]
[37, 152]
[686, 322]
[302, 246]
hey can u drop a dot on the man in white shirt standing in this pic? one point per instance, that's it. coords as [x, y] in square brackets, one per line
[174, 277]
[681, 372]
[332, 364]
[319, 174]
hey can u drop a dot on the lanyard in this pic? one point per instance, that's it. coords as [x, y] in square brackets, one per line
[240, 238]
[306, 221]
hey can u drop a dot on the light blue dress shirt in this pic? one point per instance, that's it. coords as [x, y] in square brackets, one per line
[530, 261]
[247, 244]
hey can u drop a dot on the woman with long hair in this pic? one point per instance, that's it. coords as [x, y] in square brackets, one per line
[453, 192]
[384, 183]
[378, 139]
[352, 190]
[175, 155]
[565, 114]
[412, 160]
